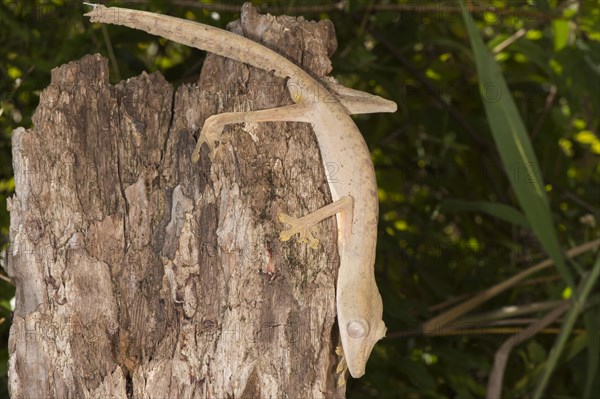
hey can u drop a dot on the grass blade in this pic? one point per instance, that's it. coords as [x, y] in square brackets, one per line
[592, 325]
[515, 148]
[500, 211]
[586, 287]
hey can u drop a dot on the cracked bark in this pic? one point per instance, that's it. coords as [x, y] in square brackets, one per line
[140, 274]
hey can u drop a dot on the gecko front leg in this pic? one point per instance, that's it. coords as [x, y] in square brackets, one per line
[212, 131]
[355, 102]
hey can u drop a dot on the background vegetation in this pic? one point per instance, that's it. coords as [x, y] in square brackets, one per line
[489, 167]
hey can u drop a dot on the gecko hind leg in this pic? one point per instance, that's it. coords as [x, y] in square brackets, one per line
[212, 131]
[303, 226]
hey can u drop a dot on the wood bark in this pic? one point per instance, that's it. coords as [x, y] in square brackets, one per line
[142, 275]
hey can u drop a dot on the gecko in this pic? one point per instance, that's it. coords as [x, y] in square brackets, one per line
[355, 203]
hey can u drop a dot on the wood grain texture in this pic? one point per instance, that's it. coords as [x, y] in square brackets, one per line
[140, 274]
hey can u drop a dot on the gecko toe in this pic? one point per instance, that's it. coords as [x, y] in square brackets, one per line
[297, 226]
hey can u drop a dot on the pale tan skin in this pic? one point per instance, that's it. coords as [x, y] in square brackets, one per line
[353, 186]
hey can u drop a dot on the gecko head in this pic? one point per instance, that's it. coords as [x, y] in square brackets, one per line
[358, 339]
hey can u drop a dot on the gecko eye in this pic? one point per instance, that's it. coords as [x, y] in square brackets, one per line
[357, 328]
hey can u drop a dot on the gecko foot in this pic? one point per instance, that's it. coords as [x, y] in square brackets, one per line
[342, 366]
[211, 149]
[212, 131]
[298, 226]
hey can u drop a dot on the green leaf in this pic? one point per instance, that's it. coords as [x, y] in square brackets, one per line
[591, 320]
[561, 34]
[515, 148]
[587, 283]
[500, 211]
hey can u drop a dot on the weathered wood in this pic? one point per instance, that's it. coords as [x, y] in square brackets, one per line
[140, 274]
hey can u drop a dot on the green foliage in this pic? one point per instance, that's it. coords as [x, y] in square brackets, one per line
[514, 146]
[489, 166]
[500, 211]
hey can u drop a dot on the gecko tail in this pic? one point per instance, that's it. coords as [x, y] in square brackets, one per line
[203, 37]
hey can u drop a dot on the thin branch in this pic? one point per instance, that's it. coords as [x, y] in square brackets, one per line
[502, 331]
[513, 322]
[233, 7]
[539, 280]
[510, 40]
[466, 332]
[494, 389]
[441, 320]
[6, 278]
[511, 311]
[453, 8]
[448, 302]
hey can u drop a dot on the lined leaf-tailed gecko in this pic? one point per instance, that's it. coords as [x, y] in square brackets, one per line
[354, 189]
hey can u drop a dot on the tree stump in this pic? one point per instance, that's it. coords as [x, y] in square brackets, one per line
[140, 274]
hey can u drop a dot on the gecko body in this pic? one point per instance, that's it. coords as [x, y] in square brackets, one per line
[353, 188]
